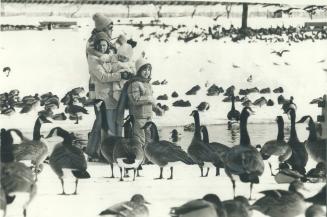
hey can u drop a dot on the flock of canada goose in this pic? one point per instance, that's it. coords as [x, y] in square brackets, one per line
[243, 160]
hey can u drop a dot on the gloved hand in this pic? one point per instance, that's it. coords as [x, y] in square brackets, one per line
[125, 75]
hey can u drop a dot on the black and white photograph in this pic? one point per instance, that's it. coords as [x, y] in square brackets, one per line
[163, 108]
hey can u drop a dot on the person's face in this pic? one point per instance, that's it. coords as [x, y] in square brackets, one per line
[103, 46]
[109, 30]
[122, 58]
[146, 71]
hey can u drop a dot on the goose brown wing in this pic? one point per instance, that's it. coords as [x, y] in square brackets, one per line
[169, 152]
[16, 177]
[68, 157]
[200, 152]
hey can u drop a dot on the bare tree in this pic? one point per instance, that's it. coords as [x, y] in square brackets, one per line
[194, 11]
[128, 10]
[158, 10]
[228, 8]
[78, 4]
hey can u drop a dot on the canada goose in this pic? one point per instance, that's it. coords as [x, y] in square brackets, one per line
[265, 90]
[244, 160]
[163, 153]
[3, 201]
[200, 152]
[75, 111]
[175, 136]
[278, 147]
[162, 97]
[281, 203]
[299, 157]
[218, 148]
[29, 102]
[317, 174]
[319, 198]
[136, 207]
[67, 156]
[8, 111]
[238, 207]
[193, 90]
[285, 174]
[213, 90]
[209, 206]
[233, 114]
[59, 117]
[109, 142]
[316, 147]
[36, 149]
[315, 211]
[230, 91]
[15, 176]
[129, 153]
[260, 102]
[280, 53]
[47, 112]
[174, 94]
[203, 106]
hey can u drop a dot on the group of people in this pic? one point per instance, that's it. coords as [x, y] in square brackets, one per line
[114, 75]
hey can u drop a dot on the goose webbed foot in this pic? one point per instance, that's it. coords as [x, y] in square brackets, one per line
[217, 171]
[207, 172]
[251, 187]
[160, 176]
[171, 173]
[134, 174]
[201, 169]
[112, 171]
[121, 175]
[138, 173]
[234, 187]
[76, 183]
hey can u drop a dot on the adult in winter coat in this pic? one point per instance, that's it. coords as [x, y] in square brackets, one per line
[140, 99]
[103, 24]
[108, 78]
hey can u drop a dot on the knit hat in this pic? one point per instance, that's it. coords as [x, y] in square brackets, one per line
[141, 62]
[125, 50]
[101, 36]
[101, 21]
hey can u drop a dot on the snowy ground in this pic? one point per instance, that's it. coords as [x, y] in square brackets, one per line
[43, 61]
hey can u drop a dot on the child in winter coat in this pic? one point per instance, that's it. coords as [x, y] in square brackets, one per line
[141, 101]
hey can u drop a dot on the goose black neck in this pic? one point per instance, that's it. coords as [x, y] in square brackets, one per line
[66, 136]
[293, 134]
[154, 133]
[6, 151]
[244, 137]
[197, 132]
[205, 135]
[312, 131]
[103, 112]
[128, 130]
[36, 131]
[233, 103]
[280, 135]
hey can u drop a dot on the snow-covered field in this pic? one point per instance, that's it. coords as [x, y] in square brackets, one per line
[43, 61]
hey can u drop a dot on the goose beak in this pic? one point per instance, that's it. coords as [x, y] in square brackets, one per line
[146, 202]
